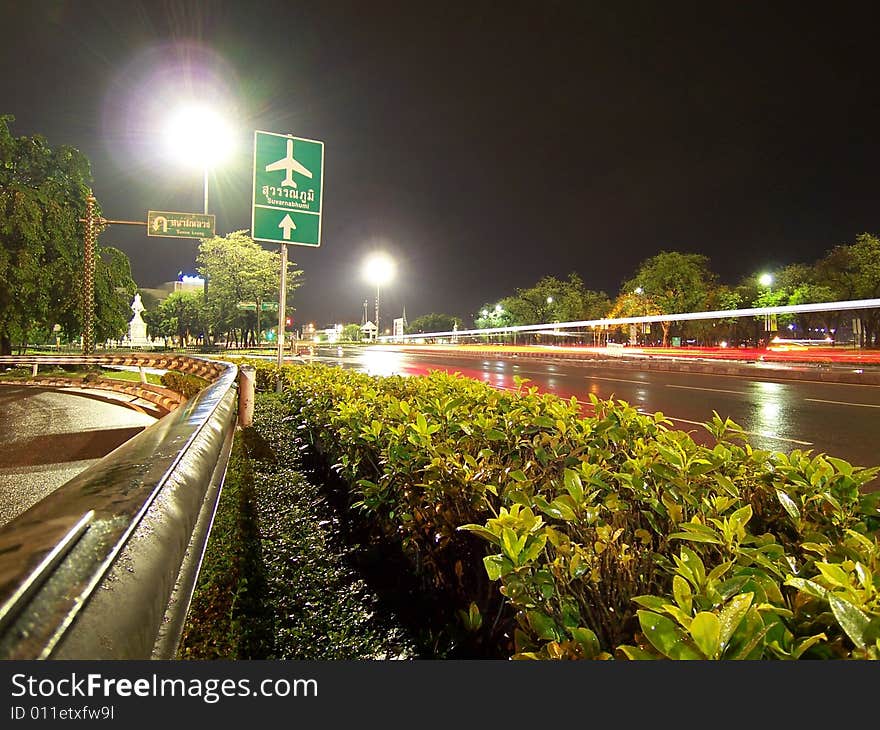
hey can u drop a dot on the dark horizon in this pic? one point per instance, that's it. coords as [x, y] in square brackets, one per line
[483, 147]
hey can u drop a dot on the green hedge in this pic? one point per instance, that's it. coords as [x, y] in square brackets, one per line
[559, 535]
[183, 383]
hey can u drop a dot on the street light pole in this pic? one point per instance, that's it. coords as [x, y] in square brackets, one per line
[378, 269]
[377, 310]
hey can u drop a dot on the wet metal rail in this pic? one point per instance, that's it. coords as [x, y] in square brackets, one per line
[104, 567]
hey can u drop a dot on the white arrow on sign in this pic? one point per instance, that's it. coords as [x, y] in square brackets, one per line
[288, 225]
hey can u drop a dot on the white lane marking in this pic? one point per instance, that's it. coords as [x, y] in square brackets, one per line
[712, 390]
[842, 403]
[618, 380]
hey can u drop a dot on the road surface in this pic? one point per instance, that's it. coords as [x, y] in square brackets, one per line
[841, 420]
[48, 437]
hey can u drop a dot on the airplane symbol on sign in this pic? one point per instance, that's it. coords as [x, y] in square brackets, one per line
[289, 165]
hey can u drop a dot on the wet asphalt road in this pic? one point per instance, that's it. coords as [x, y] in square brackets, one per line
[781, 415]
[47, 438]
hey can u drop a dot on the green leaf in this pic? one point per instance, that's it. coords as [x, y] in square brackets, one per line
[834, 574]
[851, 619]
[731, 617]
[655, 603]
[742, 515]
[497, 566]
[573, 485]
[758, 629]
[493, 434]
[681, 589]
[565, 512]
[588, 640]
[696, 537]
[518, 476]
[811, 588]
[665, 636]
[706, 632]
[635, 654]
[802, 646]
[718, 571]
[789, 505]
[536, 545]
[511, 544]
[482, 532]
[543, 626]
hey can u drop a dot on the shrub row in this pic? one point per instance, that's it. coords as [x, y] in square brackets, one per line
[184, 383]
[610, 535]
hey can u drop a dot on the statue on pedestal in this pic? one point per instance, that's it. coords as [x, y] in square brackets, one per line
[137, 328]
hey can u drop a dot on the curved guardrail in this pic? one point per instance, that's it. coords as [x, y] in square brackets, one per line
[104, 567]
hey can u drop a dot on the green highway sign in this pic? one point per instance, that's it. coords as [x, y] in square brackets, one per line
[248, 306]
[167, 224]
[267, 306]
[288, 186]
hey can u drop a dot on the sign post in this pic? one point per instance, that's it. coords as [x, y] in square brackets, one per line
[288, 187]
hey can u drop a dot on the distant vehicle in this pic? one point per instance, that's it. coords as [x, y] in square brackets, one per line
[289, 165]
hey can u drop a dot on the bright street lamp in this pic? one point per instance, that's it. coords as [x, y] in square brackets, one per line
[765, 280]
[379, 269]
[198, 136]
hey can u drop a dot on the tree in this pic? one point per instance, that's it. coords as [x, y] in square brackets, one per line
[673, 282]
[554, 300]
[43, 194]
[494, 315]
[351, 332]
[853, 272]
[239, 270]
[180, 315]
[433, 323]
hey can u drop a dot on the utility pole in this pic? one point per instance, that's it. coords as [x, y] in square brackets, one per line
[93, 224]
[88, 280]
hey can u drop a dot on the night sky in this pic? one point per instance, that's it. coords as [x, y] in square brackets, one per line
[483, 145]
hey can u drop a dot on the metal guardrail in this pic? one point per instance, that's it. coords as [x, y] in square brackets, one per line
[104, 567]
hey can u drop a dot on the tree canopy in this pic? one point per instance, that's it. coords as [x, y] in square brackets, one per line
[434, 322]
[238, 270]
[43, 194]
[672, 282]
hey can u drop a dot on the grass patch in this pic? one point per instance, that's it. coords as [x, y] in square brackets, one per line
[225, 620]
[25, 372]
[278, 581]
[132, 375]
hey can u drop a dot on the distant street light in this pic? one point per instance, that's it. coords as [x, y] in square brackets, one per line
[765, 280]
[378, 270]
[198, 136]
